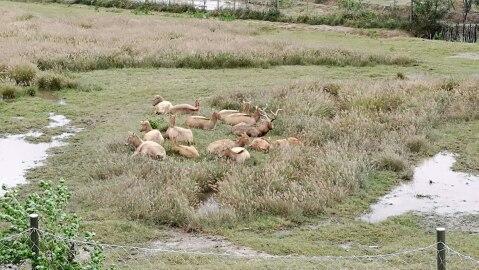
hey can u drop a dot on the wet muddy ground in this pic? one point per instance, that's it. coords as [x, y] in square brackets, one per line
[18, 153]
[435, 189]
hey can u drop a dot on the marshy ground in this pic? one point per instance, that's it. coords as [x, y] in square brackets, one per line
[367, 108]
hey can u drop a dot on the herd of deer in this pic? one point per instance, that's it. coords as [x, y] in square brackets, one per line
[248, 124]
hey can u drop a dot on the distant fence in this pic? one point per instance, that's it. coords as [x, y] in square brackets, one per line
[212, 5]
[459, 32]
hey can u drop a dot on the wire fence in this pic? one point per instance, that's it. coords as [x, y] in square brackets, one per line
[146, 257]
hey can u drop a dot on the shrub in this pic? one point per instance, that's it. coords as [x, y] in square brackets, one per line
[332, 89]
[449, 85]
[31, 91]
[8, 91]
[400, 76]
[391, 162]
[427, 16]
[3, 71]
[416, 144]
[158, 123]
[23, 74]
[61, 228]
[54, 82]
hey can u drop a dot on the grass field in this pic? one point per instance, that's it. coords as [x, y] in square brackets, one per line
[302, 202]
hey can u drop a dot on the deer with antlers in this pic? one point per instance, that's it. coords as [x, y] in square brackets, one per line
[258, 129]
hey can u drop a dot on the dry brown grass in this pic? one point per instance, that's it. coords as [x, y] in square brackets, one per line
[360, 128]
[85, 41]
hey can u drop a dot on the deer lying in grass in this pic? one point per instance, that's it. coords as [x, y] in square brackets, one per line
[149, 148]
[161, 106]
[185, 108]
[245, 109]
[237, 118]
[219, 146]
[258, 130]
[286, 143]
[186, 151]
[151, 134]
[237, 154]
[201, 122]
[260, 144]
[178, 134]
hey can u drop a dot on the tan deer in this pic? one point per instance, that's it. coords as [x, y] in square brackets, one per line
[237, 154]
[160, 105]
[178, 134]
[256, 130]
[245, 109]
[237, 118]
[151, 134]
[201, 122]
[148, 148]
[185, 108]
[217, 147]
[184, 150]
[286, 143]
[260, 144]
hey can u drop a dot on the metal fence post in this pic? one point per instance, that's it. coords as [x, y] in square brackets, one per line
[34, 239]
[441, 248]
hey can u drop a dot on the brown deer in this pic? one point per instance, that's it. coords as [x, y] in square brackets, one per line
[149, 148]
[151, 134]
[178, 134]
[201, 122]
[185, 108]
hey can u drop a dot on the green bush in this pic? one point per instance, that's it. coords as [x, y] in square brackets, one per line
[158, 123]
[427, 16]
[31, 91]
[59, 228]
[8, 91]
[23, 74]
[416, 144]
[54, 82]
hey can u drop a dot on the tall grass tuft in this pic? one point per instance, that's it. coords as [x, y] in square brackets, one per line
[8, 92]
[23, 74]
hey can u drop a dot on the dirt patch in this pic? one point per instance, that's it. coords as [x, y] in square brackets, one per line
[469, 56]
[179, 240]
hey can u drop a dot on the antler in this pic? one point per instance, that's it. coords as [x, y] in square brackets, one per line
[275, 114]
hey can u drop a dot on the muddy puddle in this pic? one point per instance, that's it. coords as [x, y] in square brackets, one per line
[435, 189]
[17, 154]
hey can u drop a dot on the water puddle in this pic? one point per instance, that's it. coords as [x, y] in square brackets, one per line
[435, 189]
[17, 155]
[57, 120]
